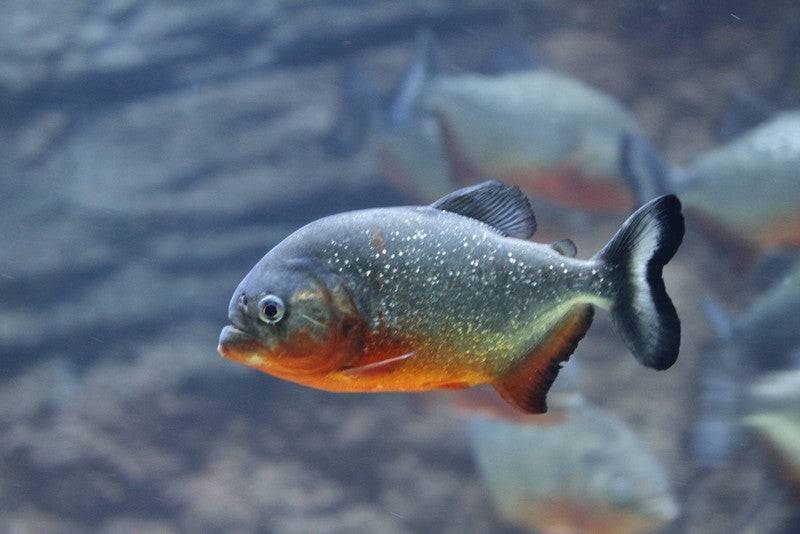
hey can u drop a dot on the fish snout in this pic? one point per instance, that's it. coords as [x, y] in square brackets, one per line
[224, 344]
[234, 343]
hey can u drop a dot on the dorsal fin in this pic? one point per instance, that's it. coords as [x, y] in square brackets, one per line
[503, 207]
[565, 247]
[527, 384]
[405, 97]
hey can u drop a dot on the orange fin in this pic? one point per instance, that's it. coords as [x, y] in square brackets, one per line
[526, 385]
[379, 367]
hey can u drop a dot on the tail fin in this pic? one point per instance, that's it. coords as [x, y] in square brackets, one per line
[646, 172]
[714, 434]
[360, 101]
[641, 309]
[742, 112]
[404, 99]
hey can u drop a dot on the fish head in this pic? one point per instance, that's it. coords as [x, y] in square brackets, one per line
[292, 319]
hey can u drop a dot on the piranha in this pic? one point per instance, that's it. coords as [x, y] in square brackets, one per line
[589, 473]
[759, 338]
[761, 331]
[745, 194]
[449, 296]
[406, 140]
[715, 434]
[555, 137]
[772, 412]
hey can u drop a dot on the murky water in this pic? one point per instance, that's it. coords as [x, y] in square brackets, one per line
[151, 152]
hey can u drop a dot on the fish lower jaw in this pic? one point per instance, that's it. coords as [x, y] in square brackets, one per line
[239, 346]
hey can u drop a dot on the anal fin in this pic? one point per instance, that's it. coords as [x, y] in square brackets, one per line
[527, 384]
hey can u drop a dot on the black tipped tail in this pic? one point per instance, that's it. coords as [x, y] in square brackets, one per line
[641, 308]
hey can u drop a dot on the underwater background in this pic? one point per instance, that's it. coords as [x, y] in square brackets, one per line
[152, 151]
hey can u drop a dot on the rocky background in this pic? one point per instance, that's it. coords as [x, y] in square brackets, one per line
[151, 151]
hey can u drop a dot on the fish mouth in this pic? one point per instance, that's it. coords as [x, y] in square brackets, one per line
[233, 343]
[241, 347]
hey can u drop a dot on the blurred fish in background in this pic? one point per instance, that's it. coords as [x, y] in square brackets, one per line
[406, 141]
[588, 473]
[749, 387]
[715, 436]
[745, 195]
[410, 146]
[576, 469]
[748, 192]
[773, 412]
[556, 137]
[756, 340]
[762, 330]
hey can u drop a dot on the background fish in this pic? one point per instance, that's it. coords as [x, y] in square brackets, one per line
[450, 296]
[716, 433]
[745, 194]
[757, 339]
[406, 140]
[588, 474]
[554, 136]
[761, 330]
[751, 187]
[773, 412]
[409, 141]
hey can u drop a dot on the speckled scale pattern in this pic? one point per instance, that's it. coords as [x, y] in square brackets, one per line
[479, 301]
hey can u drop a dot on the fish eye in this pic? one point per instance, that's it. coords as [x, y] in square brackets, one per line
[271, 309]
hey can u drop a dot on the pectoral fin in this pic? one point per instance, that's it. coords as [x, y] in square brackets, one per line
[379, 367]
[527, 384]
